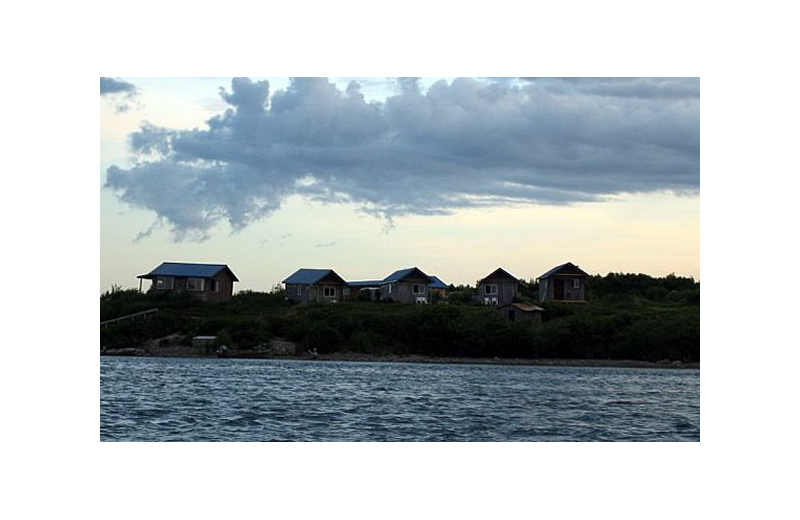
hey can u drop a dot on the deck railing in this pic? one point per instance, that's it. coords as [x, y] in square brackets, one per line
[131, 317]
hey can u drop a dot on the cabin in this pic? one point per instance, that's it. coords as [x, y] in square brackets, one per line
[406, 286]
[211, 283]
[316, 285]
[563, 283]
[498, 288]
[437, 286]
[521, 313]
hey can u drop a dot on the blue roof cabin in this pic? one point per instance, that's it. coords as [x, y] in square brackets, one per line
[406, 286]
[409, 285]
[316, 285]
[563, 283]
[204, 282]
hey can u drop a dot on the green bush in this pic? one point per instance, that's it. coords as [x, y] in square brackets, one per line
[674, 336]
[322, 337]
[211, 326]
[248, 333]
[463, 296]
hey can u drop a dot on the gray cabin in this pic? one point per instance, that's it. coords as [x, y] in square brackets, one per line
[498, 288]
[563, 283]
[406, 286]
[211, 283]
[316, 285]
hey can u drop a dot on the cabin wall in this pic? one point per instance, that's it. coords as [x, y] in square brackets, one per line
[571, 294]
[318, 289]
[547, 288]
[405, 289]
[515, 315]
[304, 293]
[402, 291]
[224, 293]
[506, 290]
[544, 290]
[317, 292]
[296, 292]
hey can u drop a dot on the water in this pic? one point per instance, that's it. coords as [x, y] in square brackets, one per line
[181, 399]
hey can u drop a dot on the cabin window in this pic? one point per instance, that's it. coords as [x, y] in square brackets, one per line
[390, 288]
[164, 282]
[576, 283]
[346, 292]
[214, 285]
[490, 288]
[299, 290]
[417, 288]
[329, 292]
[195, 284]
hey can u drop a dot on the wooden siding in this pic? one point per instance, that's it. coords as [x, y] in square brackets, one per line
[402, 291]
[316, 292]
[520, 316]
[224, 292]
[506, 290]
[550, 288]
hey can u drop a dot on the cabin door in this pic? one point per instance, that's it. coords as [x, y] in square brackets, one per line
[558, 289]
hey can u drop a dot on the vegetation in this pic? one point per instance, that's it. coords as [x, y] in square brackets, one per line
[629, 316]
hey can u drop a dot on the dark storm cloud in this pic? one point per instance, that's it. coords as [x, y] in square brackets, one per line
[460, 144]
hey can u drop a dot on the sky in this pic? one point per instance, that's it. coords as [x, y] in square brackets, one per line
[456, 176]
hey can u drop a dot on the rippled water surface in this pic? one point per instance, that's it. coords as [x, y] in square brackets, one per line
[179, 399]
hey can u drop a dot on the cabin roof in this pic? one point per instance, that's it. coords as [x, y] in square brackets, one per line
[403, 273]
[365, 283]
[310, 276]
[569, 266]
[436, 283]
[181, 269]
[498, 273]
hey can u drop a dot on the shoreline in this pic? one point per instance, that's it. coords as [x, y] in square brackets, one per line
[368, 358]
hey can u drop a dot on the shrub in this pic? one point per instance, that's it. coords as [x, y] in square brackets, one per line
[248, 333]
[463, 297]
[673, 336]
[322, 337]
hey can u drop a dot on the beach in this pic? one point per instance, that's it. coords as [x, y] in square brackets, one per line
[282, 349]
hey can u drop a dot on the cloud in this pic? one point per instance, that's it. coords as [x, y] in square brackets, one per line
[115, 86]
[120, 94]
[328, 244]
[465, 143]
[643, 88]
